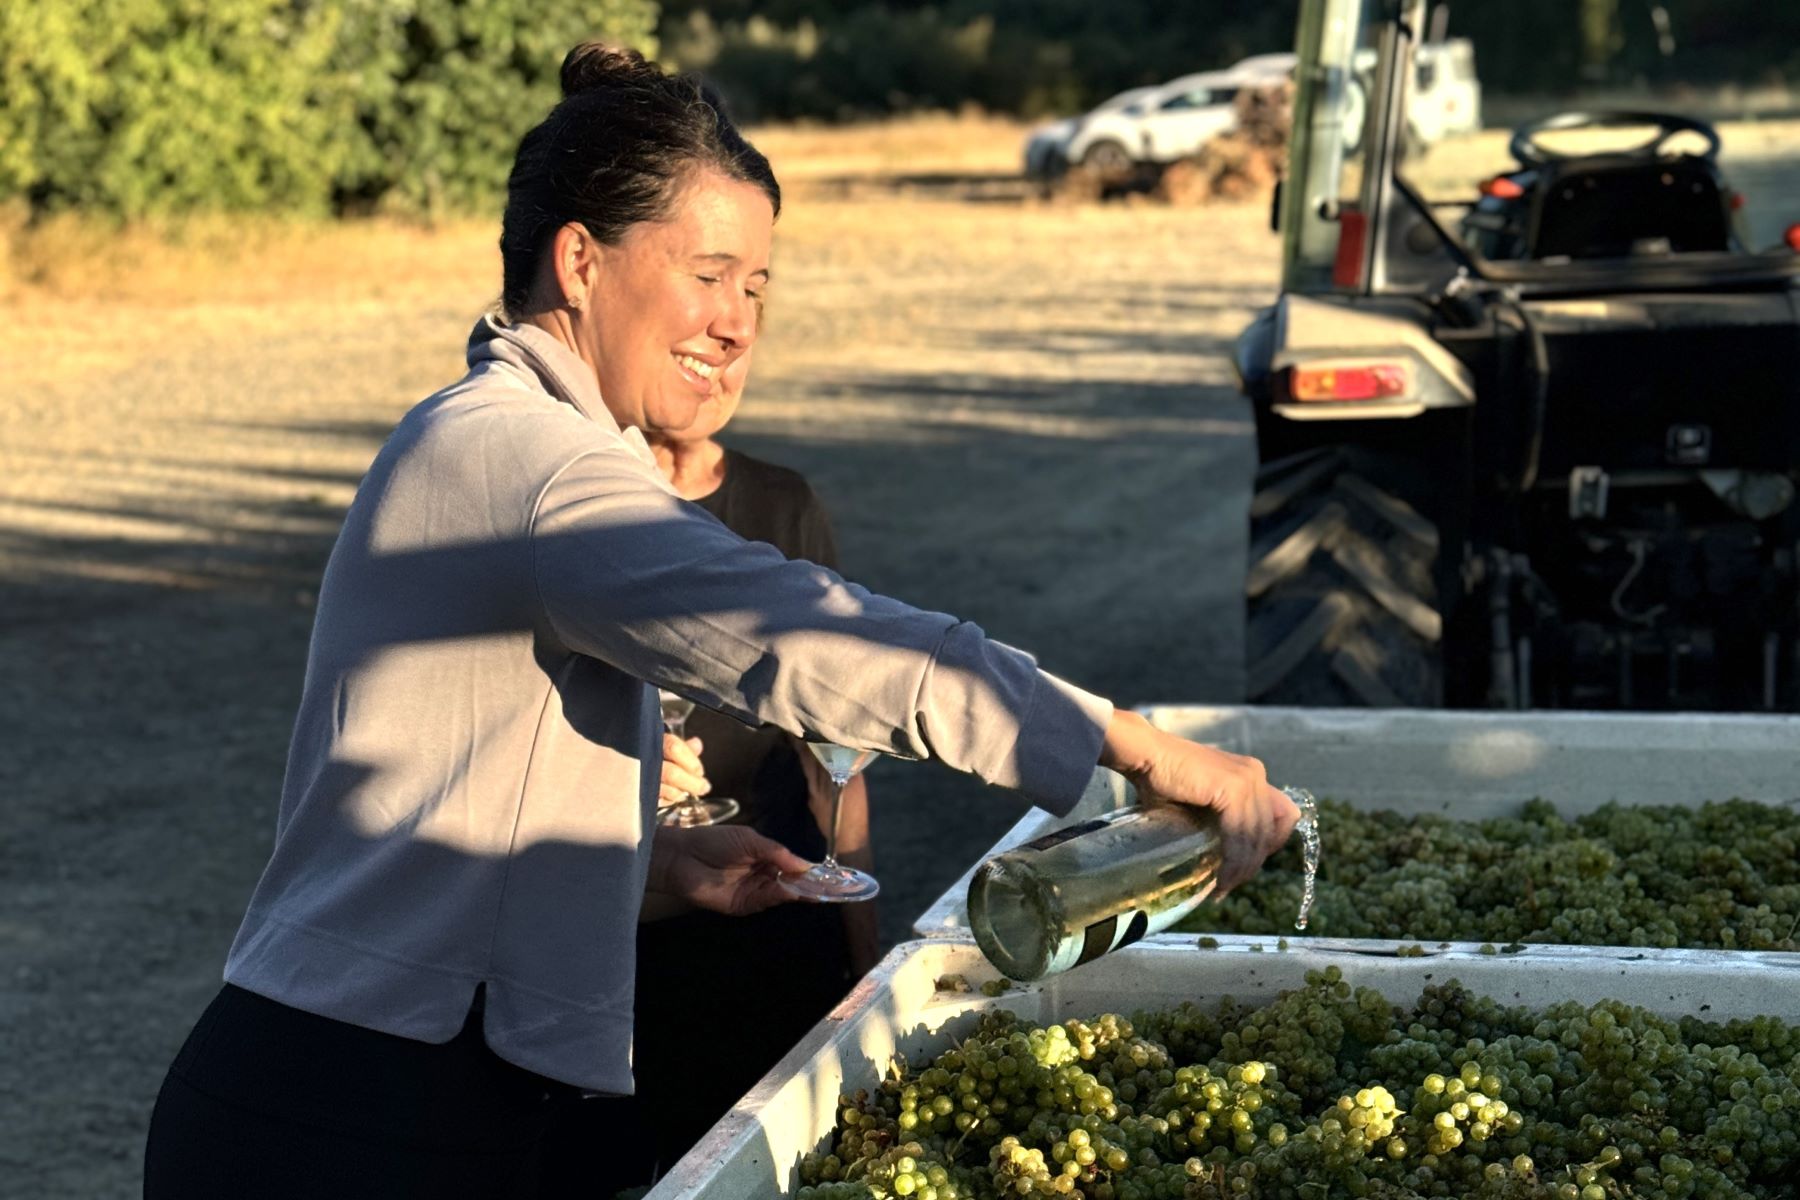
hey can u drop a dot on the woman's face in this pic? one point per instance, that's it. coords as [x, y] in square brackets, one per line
[674, 304]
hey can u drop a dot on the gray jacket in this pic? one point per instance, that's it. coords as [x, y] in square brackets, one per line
[471, 785]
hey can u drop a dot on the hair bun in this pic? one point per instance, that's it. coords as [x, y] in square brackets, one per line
[592, 66]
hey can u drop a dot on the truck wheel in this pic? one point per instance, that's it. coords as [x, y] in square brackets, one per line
[1340, 603]
[1107, 157]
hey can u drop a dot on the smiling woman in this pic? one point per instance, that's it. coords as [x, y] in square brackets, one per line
[659, 314]
[438, 956]
[651, 269]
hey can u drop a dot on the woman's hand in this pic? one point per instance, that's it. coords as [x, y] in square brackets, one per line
[682, 772]
[1255, 817]
[729, 869]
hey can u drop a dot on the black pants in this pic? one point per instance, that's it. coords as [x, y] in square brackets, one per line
[719, 1001]
[270, 1102]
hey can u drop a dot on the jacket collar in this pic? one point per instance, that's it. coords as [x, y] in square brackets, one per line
[557, 368]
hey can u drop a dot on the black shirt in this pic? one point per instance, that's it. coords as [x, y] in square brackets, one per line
[704, 979]
[762, 502]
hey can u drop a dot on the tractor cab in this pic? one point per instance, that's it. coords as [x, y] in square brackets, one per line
[1528, 405]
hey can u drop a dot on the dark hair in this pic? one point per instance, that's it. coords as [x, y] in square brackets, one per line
[614, 152]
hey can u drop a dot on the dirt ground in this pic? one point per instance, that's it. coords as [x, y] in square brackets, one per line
[1017, 412]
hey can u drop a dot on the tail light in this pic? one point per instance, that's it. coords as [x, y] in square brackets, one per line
[1501, 188]
[1349, 381]
[1792, 237]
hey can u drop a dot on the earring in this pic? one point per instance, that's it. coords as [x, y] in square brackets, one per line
[575, 303]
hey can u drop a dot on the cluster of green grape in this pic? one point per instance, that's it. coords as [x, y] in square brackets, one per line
[1723, 875]
[1331, 1090]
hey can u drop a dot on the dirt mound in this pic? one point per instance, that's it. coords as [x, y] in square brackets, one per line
[1091, 185]
[1240, 165]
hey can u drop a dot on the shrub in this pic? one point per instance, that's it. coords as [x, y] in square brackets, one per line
[442, 90]
[141, 107]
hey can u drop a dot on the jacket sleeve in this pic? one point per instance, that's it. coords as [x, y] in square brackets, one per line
[629, 574]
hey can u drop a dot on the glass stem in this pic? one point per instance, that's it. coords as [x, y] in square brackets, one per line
[837, 807]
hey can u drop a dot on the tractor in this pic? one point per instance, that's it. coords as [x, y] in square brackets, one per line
[1531, 444]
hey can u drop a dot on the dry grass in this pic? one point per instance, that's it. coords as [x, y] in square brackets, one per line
[970, 143]
[256, 260]
[234, 259]
[96, 293]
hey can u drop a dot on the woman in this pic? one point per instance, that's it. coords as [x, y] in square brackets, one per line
[440, 951]
[692, 1062]
[786, 793]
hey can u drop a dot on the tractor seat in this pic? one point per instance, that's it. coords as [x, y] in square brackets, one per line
[1614, 207]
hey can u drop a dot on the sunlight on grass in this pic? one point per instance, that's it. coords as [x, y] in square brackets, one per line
[236, 259]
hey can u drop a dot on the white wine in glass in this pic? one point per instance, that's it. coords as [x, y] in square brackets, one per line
[830, 880]
[689, 810]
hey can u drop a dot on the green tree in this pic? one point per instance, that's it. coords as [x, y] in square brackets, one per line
[142, 106]
[443, 89]
[139, 107]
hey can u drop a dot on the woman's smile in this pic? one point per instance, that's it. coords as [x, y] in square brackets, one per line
[697, 371]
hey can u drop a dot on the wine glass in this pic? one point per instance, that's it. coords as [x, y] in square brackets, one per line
[689, 810]
[830, 880]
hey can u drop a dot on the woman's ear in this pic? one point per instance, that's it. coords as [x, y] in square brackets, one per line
[575, 261]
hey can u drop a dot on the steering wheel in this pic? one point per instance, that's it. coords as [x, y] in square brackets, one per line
[1525, 148]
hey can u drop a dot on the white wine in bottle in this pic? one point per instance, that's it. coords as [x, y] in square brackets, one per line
[1075, 894]
[1071, 896]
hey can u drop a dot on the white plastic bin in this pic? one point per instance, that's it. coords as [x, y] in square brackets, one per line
[756, 1149]
[1474, 764]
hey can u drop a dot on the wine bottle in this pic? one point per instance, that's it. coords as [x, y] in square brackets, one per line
[1078, 893]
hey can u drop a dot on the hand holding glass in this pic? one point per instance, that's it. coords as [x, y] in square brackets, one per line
[830, 880]
[690, 810]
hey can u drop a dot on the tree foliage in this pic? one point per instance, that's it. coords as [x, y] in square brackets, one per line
[139, 107]
[835, 58]
[146, 106]
[813, 58]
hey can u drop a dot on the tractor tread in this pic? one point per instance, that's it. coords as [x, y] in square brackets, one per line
[1340, 593]
[1290, 554]
[1357, 663]
[1363, 561]
[1392, 509]
[1313, 632]
[1289, 477]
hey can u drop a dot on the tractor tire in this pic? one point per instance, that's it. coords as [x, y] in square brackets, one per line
[1340, 600]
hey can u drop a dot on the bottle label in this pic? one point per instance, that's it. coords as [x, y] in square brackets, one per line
[1104, 935]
